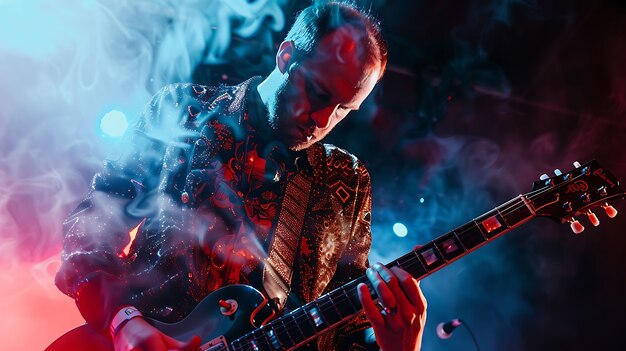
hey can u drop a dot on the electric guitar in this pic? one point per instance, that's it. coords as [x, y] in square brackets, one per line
[236, 317]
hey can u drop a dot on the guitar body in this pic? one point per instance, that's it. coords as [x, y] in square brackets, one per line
[208, 320]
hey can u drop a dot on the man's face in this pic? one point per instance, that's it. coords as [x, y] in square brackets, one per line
[319, 91]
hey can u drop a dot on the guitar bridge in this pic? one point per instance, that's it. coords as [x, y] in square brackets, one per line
[217, 344]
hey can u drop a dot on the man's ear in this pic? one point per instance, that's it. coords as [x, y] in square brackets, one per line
[284, 55]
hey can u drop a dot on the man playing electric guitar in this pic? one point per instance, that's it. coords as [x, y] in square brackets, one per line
[232, 185]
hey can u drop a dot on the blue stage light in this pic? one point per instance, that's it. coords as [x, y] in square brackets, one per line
[400, 230]
[114, 123]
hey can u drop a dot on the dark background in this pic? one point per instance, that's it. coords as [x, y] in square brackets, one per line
[480, 98]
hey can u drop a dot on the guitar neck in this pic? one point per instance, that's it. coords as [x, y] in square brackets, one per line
[305, 323]
[457, 243]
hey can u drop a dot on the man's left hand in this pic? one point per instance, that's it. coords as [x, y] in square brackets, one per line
[400, 325]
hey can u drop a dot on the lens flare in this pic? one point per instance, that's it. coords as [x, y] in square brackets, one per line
[400, 230]
[114, 123]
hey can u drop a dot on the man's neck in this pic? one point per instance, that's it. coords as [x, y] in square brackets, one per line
[268, 88]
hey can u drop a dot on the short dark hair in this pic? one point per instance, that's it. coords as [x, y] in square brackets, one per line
[323, 17]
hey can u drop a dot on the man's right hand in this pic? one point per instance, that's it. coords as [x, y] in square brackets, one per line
[139, 335]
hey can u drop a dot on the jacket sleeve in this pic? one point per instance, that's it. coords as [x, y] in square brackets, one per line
[93, 264]
[355, 334]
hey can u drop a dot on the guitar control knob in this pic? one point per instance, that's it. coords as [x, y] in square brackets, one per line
[593, 218]
[577, 228]
[577, 164]
[544, 177]
[557, 172]
[610, 210]
[228, 307]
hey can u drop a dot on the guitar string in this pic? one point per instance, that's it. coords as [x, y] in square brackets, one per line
[513, 205]
[324, 307]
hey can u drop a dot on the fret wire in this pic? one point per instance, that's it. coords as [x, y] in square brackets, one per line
[317, 306]
[407, 258]
[234, 346]
[439, 251]
[298, 326]
[242, 345]
[416, 267]
[412, 265]
[269, 328]
[503, 218]
[422, 263]
[267, 340]
[282, 320]
[404, 258]
[459, 240]
[520, 208]
[522, 205]
[250, 339]
[349, 299]
[271, 342]
[421, 258]
[324, 306]
[306, 317]
[274, 330]
[341, 300]
[326, 310]
[479, 229]
[506, 212]
[321, 307]
[330, 298]
[516, 204]
[448, 237]
[469, 233]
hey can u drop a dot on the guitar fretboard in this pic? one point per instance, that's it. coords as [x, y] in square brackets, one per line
[305, 323]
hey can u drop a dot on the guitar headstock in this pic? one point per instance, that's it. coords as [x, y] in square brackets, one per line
[568, 195]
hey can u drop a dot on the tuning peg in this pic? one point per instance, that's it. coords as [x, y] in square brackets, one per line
[576, 164]
[610, 210]
[567, 206]
[544, 177]
[577, 228]
[557, 172]
[593, 218]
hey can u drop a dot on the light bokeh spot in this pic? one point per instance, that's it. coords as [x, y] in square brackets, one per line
[114, 123]
[400, 230]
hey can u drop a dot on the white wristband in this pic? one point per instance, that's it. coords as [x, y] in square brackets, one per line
[122, 316]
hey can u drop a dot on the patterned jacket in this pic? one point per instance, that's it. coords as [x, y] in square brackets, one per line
[203, 185]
